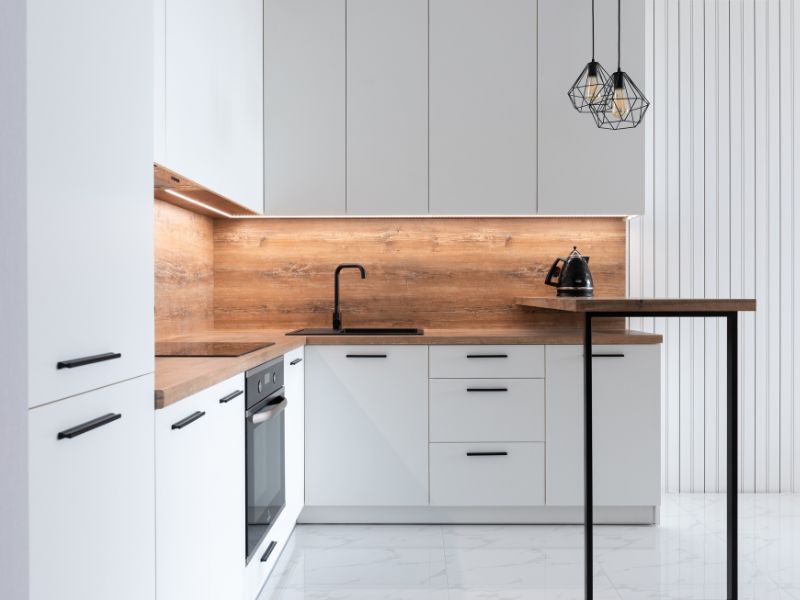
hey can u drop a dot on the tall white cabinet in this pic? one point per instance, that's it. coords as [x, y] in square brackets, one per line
[89, 153]
[387, 107]
[483, 82]
[92, 502]
[208, 66]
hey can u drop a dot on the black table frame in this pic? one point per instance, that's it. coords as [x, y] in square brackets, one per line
[732, 319]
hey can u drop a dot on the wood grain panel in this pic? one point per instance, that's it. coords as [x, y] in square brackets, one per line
[424, 272]
[184, 270]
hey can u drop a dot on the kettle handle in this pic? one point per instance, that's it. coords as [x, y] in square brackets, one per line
[554, 271]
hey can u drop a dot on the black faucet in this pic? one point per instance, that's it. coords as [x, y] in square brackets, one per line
[337, 314]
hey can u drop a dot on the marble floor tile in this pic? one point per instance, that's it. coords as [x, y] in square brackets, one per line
[681, 558]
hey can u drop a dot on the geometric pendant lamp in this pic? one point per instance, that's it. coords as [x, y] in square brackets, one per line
[620, 104]
[589, 83]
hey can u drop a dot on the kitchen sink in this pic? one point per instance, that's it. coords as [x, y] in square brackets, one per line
[358, 331]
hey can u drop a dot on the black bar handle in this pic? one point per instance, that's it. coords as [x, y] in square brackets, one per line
[189, 420]
[366, 356]
[296, 361]
[268, 551]
[611, 355]
[231, 396]
[487, 355]
[487, 389]
[487, 453]
[87, 360]
[72, 432]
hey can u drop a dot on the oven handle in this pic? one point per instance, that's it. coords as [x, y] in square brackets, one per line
[266, 412]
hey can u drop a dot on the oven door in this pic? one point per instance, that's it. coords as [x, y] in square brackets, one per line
[265, 462]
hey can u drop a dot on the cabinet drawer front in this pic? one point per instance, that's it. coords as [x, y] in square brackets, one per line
[487, 474]
[487, 361]
[487, 410]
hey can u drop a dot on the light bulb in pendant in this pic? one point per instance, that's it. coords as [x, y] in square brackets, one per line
[591, 88]
[620, 107]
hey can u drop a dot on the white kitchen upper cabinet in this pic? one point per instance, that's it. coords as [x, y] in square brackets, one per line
[626, 397]
[294, 382]
[91, 495]
[584, 170]
[304, 107]
[200, 495]
[90, 193]
[214, 96]
[367, 425]
[483, 81]
[387, 107]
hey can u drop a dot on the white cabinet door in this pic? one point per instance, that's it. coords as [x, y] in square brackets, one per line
[483, 62]
[367, 425]
[304, 107]
[214, 96]
[90, 193]
[200, 495]
[387, 107]
[582, 169]
[294, 381]
[626, 397]
[91, 495]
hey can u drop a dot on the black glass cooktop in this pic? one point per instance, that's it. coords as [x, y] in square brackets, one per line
[209, 348]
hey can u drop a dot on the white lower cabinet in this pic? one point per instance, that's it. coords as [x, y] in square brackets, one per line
[626, 398]
[200, 495]
[367, 425]
[487, 474]
[91, 495]
[294, 382]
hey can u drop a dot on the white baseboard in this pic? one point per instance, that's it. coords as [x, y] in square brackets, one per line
[604, 515]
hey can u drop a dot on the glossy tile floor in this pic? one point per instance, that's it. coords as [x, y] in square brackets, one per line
[683, 558]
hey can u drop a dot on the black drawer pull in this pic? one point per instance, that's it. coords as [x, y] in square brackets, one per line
[68, 434]
[268, 551]
[87, 360]
[296, 361]
[366, 356]
[487, 355]
[188, 420]
[487, 389]
[612, 355]
[231, 396]
[487, 453]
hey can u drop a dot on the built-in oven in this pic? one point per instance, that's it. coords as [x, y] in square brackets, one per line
[265, 432]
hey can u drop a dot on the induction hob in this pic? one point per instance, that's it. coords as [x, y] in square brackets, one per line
[217, 349]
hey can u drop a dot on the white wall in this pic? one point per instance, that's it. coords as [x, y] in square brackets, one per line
[13, 335]
[723, 167]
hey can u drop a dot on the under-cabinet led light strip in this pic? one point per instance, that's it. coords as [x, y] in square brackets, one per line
[203, 204]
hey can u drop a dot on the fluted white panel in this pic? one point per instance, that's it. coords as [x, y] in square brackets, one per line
[723, 169]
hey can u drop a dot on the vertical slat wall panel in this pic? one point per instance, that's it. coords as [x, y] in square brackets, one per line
[723, 162]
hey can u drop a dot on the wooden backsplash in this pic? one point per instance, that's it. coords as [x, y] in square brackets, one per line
[184, 267]
[426, 272]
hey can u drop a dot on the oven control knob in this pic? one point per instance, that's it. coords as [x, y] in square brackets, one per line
[260, 386]
[274, 377]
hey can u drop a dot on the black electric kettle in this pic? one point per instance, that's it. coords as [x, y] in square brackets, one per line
[574, 278]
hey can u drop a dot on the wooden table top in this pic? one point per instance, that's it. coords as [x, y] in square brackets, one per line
[634, 305]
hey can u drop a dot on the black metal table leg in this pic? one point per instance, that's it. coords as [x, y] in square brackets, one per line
[732, 320]
[732, 443]
[588, 503]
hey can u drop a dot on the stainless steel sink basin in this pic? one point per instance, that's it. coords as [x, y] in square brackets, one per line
[358, 331]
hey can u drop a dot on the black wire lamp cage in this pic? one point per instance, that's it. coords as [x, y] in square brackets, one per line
[620, 104]
[589, 83]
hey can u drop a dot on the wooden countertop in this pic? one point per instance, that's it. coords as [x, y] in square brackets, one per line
[179, 377]
[644, 305]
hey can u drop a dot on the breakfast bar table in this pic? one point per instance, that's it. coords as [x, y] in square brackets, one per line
[594, 308]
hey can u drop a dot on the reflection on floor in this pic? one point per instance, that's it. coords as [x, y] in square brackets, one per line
[683, 558]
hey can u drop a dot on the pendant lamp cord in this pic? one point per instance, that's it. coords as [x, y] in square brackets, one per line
[592, 30]
[619, 34]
